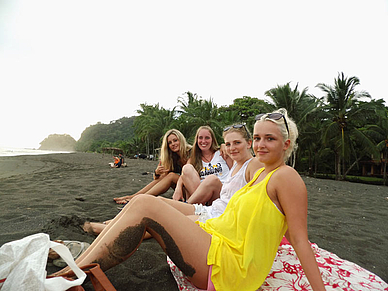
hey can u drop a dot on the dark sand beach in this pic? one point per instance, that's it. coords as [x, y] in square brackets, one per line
[56, 193]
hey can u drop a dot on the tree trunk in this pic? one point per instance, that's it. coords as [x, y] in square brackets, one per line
[148, 145]
[338, 167]
[352, 165]
[342, 156]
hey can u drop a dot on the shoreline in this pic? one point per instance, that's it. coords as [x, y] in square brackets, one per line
[15, 152]
[55, 193]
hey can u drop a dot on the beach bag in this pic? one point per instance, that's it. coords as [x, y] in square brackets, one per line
[23, 265]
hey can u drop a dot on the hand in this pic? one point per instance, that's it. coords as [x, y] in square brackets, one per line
[223, 152]
[160, 170]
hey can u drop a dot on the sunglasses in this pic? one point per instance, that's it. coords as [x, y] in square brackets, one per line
[237, 126]
[234, 126]
[274, 116]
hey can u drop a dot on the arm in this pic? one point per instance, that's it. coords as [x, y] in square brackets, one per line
[291, 196]
[225, 156]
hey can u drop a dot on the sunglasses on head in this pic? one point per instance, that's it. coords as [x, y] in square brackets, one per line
[237, 126]
[274, 116]
[234, 126]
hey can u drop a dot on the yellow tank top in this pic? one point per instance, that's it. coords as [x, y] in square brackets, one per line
[245, 238]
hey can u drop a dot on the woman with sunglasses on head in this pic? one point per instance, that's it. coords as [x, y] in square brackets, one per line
[206, 159]
[234, 251]
[238, 143]
[239, 151]
[175, 152]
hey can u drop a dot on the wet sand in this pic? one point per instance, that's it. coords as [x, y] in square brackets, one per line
[55, 194]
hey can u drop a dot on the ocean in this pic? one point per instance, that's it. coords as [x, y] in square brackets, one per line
[9, 152]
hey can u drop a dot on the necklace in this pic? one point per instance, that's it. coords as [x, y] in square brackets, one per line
[207, 160]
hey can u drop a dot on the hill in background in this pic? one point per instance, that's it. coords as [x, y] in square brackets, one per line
[58, 142]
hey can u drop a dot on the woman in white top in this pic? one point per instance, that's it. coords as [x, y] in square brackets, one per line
[238, 144]
[206, 160]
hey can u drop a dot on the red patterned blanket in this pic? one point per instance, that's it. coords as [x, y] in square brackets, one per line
[287, 273]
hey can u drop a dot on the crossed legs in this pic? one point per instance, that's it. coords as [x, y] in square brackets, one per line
[183, 241]
[187, 209]
[156, 187]
[208, 191]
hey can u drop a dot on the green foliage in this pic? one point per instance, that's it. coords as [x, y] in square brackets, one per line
[336, 131]
[100, 135]
[58, 142]
[346, 113]
[245, 109]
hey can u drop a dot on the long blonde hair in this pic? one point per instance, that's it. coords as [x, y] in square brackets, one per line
[196, 153]
[166, 155]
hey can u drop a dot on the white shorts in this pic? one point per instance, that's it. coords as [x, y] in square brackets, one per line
[204, 212]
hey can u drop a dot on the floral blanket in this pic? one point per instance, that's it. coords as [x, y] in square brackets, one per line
[287, 273]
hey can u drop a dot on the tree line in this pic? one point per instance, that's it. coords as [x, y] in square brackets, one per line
[336, 131]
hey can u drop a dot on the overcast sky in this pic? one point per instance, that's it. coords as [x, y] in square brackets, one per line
[65, 65]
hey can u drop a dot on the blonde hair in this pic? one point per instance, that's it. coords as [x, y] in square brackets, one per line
[240, 128]
[291, 133]
[166, 155]
[196, 153]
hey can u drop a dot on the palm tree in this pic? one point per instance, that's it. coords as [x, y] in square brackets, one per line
[299, 106]
[379, 132]
[195, 112]
[152, 123]
[346, 113]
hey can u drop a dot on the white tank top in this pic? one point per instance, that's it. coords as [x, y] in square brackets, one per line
[230, 186]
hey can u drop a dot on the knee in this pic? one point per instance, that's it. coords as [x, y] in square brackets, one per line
[140, 201]
[212, 179]
[188, 169]
[160, 198]
[212, 182]
[172, 177]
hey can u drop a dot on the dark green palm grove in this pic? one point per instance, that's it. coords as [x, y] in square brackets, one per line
[337, 132]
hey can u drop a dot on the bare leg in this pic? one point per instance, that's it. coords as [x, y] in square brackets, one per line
[184, 208]
[170, 180]
[155, 188]
[97, 227]
[183, 241]
[179, 191]
[190, 179]
[124, 199]
[208, 191]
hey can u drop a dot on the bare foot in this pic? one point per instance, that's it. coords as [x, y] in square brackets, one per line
[94, 228]
[122, 200]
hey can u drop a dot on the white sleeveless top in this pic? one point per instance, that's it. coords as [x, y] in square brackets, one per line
[217, 166]
[230, 186]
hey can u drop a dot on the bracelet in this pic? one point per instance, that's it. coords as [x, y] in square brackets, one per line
[156, 175]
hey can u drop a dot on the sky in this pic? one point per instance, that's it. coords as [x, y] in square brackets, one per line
[66, 65]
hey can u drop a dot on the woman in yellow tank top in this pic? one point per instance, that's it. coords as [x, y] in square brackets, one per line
[234, 251]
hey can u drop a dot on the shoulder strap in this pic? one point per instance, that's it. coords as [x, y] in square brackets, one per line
[99, 280]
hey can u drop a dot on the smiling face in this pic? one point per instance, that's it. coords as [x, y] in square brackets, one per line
[204, 140]
[237, 147]
[173, 143]
[268, 143]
